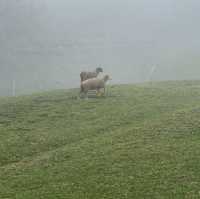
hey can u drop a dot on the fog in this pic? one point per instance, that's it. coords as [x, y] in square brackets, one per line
[44, 44]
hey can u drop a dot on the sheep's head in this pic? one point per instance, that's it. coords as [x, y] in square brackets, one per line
[99, 70]
[106, 78]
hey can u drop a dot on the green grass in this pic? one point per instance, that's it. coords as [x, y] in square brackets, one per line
[142, 141]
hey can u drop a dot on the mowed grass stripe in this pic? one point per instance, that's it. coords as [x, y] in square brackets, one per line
[142, 143]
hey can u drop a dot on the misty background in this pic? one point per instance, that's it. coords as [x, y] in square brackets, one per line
[44, 44]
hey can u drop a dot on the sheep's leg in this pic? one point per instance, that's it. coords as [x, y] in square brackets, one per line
[81, 91]
[98, 92]
[82, 95]
[86, 95]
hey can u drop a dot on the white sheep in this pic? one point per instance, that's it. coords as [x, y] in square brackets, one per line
[94, 84]
[88, 75]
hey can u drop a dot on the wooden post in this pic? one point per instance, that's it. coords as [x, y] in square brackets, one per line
[153, 69]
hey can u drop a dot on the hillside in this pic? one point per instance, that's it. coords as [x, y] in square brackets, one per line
[142, 141]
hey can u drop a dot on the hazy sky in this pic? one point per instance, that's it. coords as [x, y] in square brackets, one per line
[46, 43]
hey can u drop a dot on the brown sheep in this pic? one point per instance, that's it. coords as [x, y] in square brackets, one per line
[88, 75]
[94, 84]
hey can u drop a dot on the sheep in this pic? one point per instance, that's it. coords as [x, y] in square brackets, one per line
[94, 84]
[88, 75]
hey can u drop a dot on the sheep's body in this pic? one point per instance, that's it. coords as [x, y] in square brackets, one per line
[89, 75]
[94, 84]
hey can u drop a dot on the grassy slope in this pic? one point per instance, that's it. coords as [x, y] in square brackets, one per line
[142, 141]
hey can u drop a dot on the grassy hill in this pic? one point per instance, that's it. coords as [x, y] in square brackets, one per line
[142, 141]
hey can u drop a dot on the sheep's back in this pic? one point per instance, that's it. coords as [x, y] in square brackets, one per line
[91, 75]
